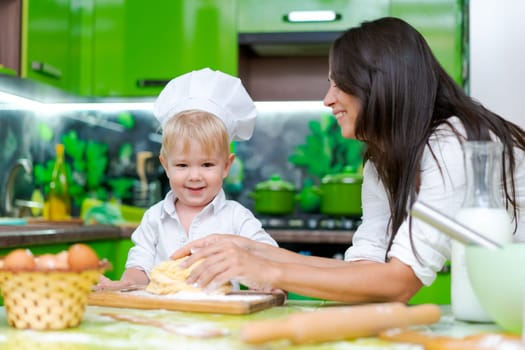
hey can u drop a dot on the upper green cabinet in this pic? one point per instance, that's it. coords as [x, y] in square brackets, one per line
[136, 44]
[210, 35]
[57, 41]
[140, 45]
[126, 47]
[48, 43]
[442, 24]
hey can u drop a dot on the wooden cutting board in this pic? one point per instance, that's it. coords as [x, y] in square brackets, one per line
[241, 302]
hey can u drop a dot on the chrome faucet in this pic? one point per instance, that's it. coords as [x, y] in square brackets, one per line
[22, 163]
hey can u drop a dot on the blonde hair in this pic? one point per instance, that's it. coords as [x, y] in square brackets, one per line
[196, 125]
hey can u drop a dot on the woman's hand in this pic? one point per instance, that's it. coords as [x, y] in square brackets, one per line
[227, 257]
[210, 240]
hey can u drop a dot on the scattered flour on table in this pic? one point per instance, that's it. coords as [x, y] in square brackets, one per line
[202, 296]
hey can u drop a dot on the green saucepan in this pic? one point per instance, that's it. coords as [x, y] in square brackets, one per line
[274, 196]
[341, 194]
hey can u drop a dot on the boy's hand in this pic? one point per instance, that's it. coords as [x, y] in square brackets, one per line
[107, 284]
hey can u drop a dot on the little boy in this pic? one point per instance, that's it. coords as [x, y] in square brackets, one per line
[201, 113]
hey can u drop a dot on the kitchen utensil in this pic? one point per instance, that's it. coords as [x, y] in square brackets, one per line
[141, 172]
[274, 196]
[152, 168]
[339, 322]
[497, 277]
[341, 193]
[242, 302]
[194, 330]
[441, 342]
[450, 226]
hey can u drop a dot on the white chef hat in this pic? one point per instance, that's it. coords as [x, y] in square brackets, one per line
[212, 91]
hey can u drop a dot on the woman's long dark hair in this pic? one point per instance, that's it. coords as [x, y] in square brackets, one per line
[405, 95]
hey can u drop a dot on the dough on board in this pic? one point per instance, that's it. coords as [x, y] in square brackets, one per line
[169, 278]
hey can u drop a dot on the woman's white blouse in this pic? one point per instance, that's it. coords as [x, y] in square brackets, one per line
[160, 232]
[442, 187]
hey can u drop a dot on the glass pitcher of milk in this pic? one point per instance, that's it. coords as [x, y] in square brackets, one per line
[483, 211]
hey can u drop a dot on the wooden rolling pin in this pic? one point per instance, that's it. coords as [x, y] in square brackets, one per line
[340, 322]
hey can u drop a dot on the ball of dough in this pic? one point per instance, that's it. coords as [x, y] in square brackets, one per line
[169, 278]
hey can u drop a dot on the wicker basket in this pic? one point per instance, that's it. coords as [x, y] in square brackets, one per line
[45, 300]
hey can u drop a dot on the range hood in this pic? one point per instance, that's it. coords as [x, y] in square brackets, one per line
[288, 43]
[285, 66]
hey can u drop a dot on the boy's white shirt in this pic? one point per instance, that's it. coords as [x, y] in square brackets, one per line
[160, 232]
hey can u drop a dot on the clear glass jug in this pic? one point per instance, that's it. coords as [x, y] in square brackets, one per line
[483, 211]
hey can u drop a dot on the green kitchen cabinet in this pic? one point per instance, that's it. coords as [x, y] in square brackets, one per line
[138, 46]
[443, 24]
[56, 43]
[121, 256]
[438, 292]
[210, 35]
[125, 47]
[48, 42]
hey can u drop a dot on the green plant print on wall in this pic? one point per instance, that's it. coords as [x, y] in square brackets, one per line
[326, 151]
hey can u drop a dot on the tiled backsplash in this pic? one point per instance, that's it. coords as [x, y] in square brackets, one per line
[118, 135]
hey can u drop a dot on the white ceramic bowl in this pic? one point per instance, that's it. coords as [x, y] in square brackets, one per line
[498, 279]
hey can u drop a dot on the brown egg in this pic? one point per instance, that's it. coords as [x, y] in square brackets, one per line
[82, 257]
[61, 260]
[19, 259]
[46, 262]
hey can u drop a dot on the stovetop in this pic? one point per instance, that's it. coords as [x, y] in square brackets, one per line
[310, 222]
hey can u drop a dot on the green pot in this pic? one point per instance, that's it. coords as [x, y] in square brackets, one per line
[309, 199]
[274, 196]
[341, 194]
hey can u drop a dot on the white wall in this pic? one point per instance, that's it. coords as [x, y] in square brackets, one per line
[497, 56]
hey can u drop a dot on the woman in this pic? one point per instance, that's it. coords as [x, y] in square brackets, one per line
[387, 90]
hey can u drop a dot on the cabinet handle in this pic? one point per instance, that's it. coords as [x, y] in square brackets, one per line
[144, 83]
[312, 16]
[46, 69]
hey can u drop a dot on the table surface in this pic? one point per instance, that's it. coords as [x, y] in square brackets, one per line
[101, 332]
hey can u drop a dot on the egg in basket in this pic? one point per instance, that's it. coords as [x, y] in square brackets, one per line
[48, 291]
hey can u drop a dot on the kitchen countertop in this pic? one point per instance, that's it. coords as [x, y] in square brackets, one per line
[12, 236]
[101, 332]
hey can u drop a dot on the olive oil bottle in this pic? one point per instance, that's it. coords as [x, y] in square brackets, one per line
[59, 201]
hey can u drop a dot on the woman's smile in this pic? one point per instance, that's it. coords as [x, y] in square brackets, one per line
[339, 115]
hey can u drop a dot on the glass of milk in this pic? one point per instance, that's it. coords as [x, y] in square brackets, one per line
[483, 211]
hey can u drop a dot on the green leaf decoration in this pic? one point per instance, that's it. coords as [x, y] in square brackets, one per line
[126, 119]
[121, 187]
[125, 152]
[79, 165]
[325, 150]
[39, 174]
[45, 132]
